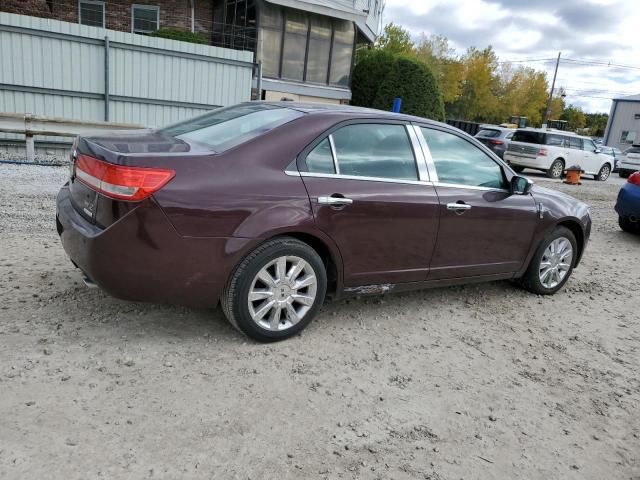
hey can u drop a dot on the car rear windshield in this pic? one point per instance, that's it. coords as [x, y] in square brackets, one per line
[538, 138]
[228, 127]
[488, 132]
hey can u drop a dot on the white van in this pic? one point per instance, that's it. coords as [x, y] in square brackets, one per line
[630, 161]
[552, 151]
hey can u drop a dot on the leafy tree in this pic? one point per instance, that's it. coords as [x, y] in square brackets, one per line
[574, 117]
[372, 68]
[596, 123]
[435, 52]
[395, 39]
[481, 87]
[415, 84]
[524, 93]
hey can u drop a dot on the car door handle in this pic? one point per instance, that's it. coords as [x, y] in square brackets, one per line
[334, 201]
[458, 207]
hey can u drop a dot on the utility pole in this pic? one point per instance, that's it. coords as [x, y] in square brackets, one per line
[553, 85]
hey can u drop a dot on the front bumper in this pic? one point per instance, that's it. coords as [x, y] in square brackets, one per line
[628, 203]
[142, 258]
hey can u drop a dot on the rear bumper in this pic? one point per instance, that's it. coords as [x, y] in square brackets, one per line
[628, 203]
[530, 162]
[142, 258]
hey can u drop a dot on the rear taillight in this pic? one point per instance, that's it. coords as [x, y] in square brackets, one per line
[496, 142]
[634, 178]
[120, 182]
[542, 152]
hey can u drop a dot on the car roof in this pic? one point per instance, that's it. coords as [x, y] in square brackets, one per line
[488, 126]
[555, 132]
[350, 110]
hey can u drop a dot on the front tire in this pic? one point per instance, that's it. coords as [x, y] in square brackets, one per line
[604, 173]
[552, 264]
[276, 290]
[556, 169]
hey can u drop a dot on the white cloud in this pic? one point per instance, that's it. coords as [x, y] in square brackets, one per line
[596, 30]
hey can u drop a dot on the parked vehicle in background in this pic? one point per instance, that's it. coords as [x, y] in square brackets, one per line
[495, 137]
[552, 151]
[267, 207]
[628, 204]
[630, 161]
[616, 153]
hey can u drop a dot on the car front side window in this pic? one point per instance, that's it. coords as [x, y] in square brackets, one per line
[459, 162]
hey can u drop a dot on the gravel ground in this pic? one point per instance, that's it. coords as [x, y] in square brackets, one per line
[483, 381]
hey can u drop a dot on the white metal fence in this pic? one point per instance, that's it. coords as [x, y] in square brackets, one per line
[61, 69]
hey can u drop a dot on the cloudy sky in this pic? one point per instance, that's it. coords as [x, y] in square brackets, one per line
[586, 32]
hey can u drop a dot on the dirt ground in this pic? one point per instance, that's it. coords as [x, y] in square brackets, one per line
[483, 381]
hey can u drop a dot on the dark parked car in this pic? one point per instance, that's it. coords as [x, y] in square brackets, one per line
[628, 204]
[268, 208]
[495, 137]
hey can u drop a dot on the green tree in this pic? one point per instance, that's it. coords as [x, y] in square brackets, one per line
[372, 68]
[574, 117]
[596, 123]
[524, 93]
[395, 39]
[435, 52]
[481, 88]
[411, 80]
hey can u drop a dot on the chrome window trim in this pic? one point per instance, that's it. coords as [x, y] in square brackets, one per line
[426, 152]
[332, 146]
[357, 177]
[469, 187]
[418, 154]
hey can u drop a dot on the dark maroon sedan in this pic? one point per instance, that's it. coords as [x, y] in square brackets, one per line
[269, 208]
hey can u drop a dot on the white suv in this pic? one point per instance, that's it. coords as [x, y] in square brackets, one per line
[629, 162]
[552, 151]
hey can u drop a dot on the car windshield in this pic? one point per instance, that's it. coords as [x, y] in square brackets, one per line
[228, 127]
[529, 137]
[488, 132]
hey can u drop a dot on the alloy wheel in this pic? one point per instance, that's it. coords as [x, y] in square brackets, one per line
[556, 262]
[282, 292]
[556, 171]
[605, 171]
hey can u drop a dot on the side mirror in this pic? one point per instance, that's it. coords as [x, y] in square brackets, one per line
[520, 185]
[597, 150]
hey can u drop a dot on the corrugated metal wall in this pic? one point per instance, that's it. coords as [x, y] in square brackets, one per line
[57, 69]
[623, 119]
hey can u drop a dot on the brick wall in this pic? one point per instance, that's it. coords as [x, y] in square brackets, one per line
[173, 13]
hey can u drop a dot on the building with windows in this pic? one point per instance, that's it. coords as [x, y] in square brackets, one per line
[623, 127]
[305, 48]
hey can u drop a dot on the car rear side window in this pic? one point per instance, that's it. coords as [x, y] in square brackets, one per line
[529, 137]
[375, 150]
[555, 140]
[575, 142]
[459, 162]
[226, 128]
[488, 132]
[320, 159]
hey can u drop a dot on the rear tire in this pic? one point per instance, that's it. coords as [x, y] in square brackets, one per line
[628, 226]
[517, 169]
[543, 259]
[287, 281]
[556, 169]
[604, 173]
[623, 174]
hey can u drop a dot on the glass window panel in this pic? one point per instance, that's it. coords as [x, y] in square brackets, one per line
[293, 56]
[575, 142]
[320, 27]
[341, 64]
[375, 150]
[296, 22]
[588, 145]
[92, 13]
[320, 159]
[270, 16]
[318, 60]
[344, 32]
[145, 19]
[225, 128]
[271, 43]
[460, 163]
